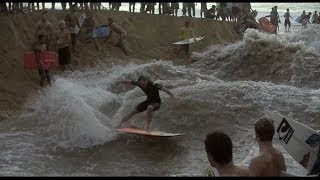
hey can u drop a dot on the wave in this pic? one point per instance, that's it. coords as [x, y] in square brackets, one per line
[262, 57]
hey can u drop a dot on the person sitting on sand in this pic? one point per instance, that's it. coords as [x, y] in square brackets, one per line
[270, 161]
[218, 146]
[186, 33]
[211, 13]
[63, 41]
[38, 47]
[71, 21]
[44, 28]
[122, 42]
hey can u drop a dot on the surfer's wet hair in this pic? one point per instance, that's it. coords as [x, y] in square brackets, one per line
[219, 145]
[264, 129]
[142, 78]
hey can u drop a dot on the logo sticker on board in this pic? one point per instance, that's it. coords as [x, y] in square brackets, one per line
[304, 162]
[285, 131]
[313, 140]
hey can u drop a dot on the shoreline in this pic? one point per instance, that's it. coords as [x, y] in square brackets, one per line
[149, 37]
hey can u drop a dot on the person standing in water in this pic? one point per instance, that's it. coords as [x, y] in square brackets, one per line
[287, 20]
[152, 103]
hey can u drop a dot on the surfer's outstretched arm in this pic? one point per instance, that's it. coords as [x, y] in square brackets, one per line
[126, 82]
[168, 92]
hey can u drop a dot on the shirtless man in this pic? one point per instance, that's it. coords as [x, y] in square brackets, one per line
[71, 21]
[63, 41]
[287, 20]
[44, 29]
[270, 161]
[218, 146]
[122, 43]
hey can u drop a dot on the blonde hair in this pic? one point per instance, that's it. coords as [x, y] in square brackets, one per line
[264, 129]
[61, 22]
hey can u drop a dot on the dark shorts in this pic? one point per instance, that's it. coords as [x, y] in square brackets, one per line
[43, 73]
[287, 22]
[73, 38]
[64, 56]
[185, 48]
[144, 105]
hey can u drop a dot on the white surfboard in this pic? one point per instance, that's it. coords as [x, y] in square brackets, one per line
[299, 140]
[81, 21]
[298, 19]
[189, 41]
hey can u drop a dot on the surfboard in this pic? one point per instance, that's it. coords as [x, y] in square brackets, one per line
[48, 60]
[266, 25]
[101, 31]
[189, 41]
[298, 19]
[81, 21]
[147, 133]
[299, 140]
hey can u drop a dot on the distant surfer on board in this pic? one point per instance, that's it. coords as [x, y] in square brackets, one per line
[153, 101]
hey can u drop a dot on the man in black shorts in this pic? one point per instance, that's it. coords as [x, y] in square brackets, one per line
[153, 101]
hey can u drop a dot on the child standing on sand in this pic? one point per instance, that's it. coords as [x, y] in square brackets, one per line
[39, 47]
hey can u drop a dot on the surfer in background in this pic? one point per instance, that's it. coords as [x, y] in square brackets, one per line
[218, 146]
[153, 101]
[287, 20]
[305, 20]
[122, 42]
[44, 29]
[186, 33]
[315, 17]
[270, 161]
[71, 21]
[89, 24]
[302, 15]
[274, 18]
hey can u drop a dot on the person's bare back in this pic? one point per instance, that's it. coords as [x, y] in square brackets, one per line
[270, 162]
[235, 170]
